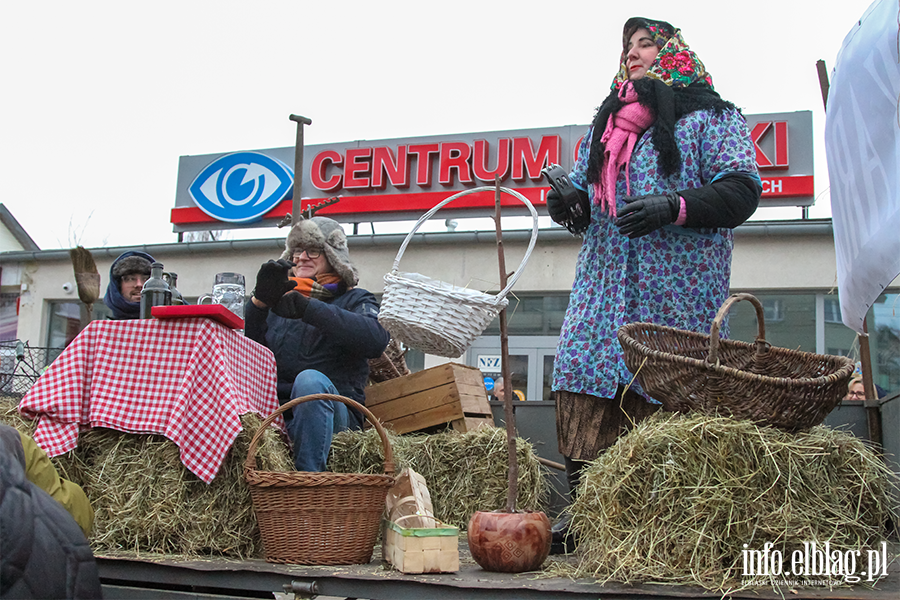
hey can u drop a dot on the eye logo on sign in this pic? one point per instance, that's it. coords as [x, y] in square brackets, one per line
[241, 187]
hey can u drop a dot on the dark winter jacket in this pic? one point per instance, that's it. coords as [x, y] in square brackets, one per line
[43, 553]
[336, 337]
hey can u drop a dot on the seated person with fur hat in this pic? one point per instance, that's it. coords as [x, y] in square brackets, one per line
[127, 276]
[322, 330]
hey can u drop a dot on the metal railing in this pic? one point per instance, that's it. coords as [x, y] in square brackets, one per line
[21, 365]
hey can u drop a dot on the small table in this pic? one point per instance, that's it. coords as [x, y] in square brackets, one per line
[187, 379]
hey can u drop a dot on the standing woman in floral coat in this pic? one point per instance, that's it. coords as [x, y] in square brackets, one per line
[668, 169]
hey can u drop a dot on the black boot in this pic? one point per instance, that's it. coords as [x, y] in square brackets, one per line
[561, 540]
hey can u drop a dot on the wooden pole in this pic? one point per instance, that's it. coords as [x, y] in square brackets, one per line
[873, 413]
[512, 490]
[298, 167]
[873, 416]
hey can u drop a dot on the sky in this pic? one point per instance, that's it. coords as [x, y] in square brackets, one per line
[100, 98]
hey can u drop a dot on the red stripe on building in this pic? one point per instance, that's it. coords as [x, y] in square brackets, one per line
[788, 187]
[380, 204]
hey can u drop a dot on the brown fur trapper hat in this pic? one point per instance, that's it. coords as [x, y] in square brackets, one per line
[130, 265]
[327, 235]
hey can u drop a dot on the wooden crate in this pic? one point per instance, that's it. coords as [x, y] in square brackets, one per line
[449, 393]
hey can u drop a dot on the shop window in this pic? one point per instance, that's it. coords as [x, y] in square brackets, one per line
[883, 325]
[9, 316]
[533, 315]
[832, 310]
[547, 375]
[790, 320]
[884, 341]
[415, 360]
[773, 309]
[67, 319]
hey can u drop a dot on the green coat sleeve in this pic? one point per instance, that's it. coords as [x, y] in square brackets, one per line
[41, 472]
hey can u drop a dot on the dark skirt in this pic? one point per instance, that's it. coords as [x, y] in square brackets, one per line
[587, 425]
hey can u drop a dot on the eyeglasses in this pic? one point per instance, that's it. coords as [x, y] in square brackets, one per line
[856, 395]
[311, 253]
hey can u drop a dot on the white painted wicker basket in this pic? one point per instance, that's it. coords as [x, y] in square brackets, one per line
[436, 317]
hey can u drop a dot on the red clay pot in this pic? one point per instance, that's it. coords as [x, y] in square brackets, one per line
[509, 542]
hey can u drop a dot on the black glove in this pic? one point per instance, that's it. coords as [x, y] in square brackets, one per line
[644, 214]
[272, 281]
[291, 306]
[556, 207]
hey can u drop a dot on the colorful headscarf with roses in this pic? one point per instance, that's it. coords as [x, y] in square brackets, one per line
[676, 85]
[676, 65]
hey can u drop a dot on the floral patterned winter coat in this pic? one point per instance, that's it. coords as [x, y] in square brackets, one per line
[674, 276]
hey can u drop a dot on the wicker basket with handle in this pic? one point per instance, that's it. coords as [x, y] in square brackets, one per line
[318, 518]
[437, 317]
[686, 371]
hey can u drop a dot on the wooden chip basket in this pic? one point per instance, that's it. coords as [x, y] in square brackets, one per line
[433, 549]
[318, 518]
[687, 371]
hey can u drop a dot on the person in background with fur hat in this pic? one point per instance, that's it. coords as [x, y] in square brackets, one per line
[668, 169]
[323, 330]
[126, 279]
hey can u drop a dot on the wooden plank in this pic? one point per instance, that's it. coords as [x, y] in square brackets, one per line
[415, 403]
[469, 376]
[427, 418]
[424, 380]
[472, 423]
[475, 405]
[472, 390]
[388, 412]
[403, 386]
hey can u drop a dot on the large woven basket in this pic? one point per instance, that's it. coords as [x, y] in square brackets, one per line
[687, 371]
[390, 365]
[318, 518]
[436, 317]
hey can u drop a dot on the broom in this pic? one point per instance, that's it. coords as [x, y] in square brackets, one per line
[87, 279]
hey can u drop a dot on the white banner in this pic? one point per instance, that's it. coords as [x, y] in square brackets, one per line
[862, 144]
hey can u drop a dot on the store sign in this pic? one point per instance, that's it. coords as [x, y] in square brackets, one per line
[489, 363]
[241, 187]
[373, 168]
[402, 178]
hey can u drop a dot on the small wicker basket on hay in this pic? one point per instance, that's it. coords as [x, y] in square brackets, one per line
[675, 499]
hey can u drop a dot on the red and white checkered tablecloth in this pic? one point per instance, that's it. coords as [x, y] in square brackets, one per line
[187, 379]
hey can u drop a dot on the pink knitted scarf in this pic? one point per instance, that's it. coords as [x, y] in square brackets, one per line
[623, 129]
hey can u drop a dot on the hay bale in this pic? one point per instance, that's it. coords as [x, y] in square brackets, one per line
[465, 472]
[144, 498]
[675, 500]
[9, 415]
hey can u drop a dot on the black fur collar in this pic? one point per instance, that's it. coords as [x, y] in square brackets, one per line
[668, 106]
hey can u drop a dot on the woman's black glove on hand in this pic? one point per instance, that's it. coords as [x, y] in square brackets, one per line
[644, 214]
[557, 208]
[272, 281]
[291, 306]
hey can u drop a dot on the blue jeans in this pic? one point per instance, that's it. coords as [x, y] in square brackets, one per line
[314, 422]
